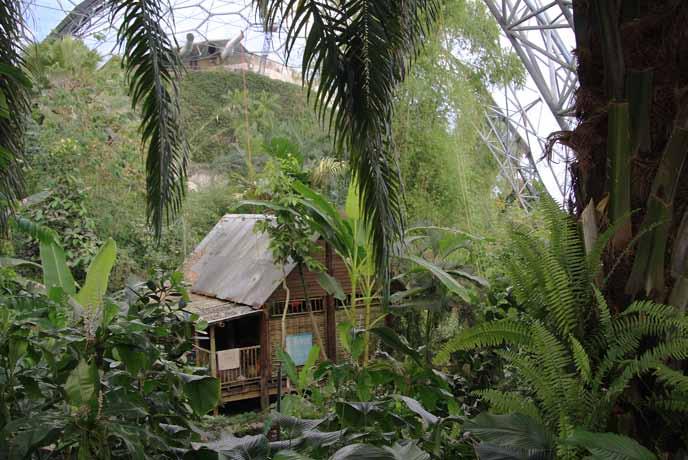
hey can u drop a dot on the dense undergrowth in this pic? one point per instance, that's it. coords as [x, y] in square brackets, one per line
[498, 341]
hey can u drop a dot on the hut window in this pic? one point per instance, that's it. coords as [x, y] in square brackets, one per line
[297, 306]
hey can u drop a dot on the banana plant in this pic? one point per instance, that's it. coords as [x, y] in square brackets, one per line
[350, 237]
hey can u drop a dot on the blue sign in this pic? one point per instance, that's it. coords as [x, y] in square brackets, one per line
[298, 346]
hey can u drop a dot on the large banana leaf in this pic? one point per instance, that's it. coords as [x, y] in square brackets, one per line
[91, 294]
[56, 273]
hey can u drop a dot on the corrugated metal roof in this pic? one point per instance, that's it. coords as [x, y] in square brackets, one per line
[215, 310]
[235, 263]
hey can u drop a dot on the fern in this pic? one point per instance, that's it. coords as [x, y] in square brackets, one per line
[573, 355]
[673, 378]
[507, 402]
[581, 359]
[490, 334]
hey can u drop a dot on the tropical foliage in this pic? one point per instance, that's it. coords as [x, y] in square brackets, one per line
[556, 344]
[577, 360]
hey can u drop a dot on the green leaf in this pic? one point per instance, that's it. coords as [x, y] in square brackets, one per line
[56, 273]
[134, 360]
[512, 430]
[610, 446]
[306, 374]
[418, 409]
[91, 294]
[82, 384]
[17, 349]
[363, 452]
[396, 342]
[203, 392]
[11, 262]
[288, 365]
[445, 278]
[352, 207]
[290, 455]
[331, 285]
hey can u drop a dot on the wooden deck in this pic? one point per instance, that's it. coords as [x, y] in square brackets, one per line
[240, 383]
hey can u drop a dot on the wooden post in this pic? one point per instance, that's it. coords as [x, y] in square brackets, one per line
[330, 310]
[197, 352]
[213, 362]
[265, 358]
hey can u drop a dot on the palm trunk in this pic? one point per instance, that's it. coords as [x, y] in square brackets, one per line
[629, 56]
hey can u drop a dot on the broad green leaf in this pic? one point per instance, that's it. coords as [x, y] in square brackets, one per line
[56, 273]
[288, 365]
[331, 285]
[363, 452]
[410, 451]
[306, 374]
[445, 278]
[397, 342]
[344, 332]
[203, 392]
[610, 445]
[11, 262]
[109, 313]
[17, 349]
[91, 294]
[290, 455]
[512, 430]
[133, 359]
[352, 207]
[82, 384]
[417, 408]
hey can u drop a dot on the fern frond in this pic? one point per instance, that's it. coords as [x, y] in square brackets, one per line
[508, 402]
[560, 301]
[489, 334]
[673, 405]
[672, 378]
[524, 269]
[605, 314]
[651, 359]
[556, 364]
[530, 371]
[662, 314]
[581, 359]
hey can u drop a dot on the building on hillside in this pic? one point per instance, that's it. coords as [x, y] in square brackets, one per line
[237, 288]
[232, 55]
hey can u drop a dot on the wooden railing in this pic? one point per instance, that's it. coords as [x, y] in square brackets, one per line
[249, 364]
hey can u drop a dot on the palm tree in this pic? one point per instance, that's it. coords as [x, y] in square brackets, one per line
[356, 54]
[14, 105]
[153, 69]
[630, 144]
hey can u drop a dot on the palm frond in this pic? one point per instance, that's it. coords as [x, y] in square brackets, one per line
[14, 107]
[152, 67]
[356, 54]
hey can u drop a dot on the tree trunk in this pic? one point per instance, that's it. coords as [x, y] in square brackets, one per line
[630, 148]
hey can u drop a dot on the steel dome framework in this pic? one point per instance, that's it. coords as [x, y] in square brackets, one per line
[539, 31]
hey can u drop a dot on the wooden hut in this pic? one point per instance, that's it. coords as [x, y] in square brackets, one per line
[238, 289]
